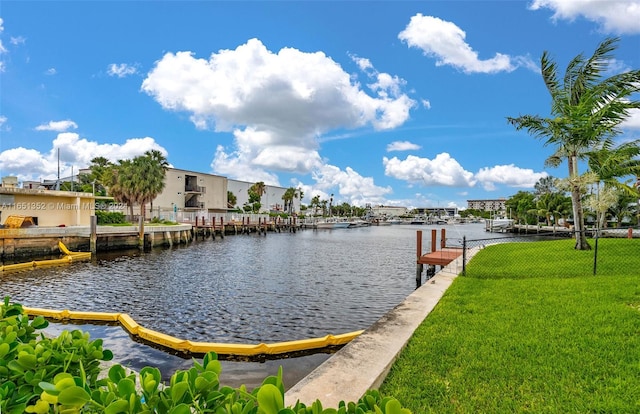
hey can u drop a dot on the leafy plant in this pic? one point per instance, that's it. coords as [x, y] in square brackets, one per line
[61, 375]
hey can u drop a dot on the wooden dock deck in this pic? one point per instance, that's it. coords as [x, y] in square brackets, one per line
[436, 257]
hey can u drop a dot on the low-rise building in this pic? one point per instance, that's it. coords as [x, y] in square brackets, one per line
[388, 211]
[488, 205]
[189, 191]
[46, 207]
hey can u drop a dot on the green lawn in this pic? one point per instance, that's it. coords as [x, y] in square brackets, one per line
[530, 329]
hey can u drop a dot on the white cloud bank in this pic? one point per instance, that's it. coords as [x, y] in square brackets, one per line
[445, 42]
[277, 105]
[446, 171]
[613, 16]
[58, 126]
[75, 152]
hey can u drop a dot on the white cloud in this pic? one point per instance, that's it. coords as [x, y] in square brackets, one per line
[19, 40]
[3, 121]
[75, 152]
[58, 126]
[633, 120]
[353, 188]
[2, 48]
[121, 70]
[51, 71]
[402, 146]
[508, 175]
[441, 171]
[445, 41]
[444, 170]
[613, 16]
[277, 105]
[26, 163]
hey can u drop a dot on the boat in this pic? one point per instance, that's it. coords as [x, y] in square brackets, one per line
[357, 223]
[418, 220]
[499, 224]
[395, 221]
[331, 224]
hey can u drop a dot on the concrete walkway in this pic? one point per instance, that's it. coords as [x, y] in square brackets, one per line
[364, 363]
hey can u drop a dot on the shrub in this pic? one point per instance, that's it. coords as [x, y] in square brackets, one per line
[110, 217]
[42, 375]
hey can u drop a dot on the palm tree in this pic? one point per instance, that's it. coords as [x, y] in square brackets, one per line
[625, 206]
[586, 112]
[256, 191]
[315, 204]
[123, 184]
[288, 197]
[99, 176]
[607, 165]
[155, 166]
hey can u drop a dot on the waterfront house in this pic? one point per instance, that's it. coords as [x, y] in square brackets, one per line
[46, 207]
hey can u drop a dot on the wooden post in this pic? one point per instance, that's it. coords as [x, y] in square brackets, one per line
[93, 241]
[443, 239]
[630, 233]
[433, 240]
[140, 233]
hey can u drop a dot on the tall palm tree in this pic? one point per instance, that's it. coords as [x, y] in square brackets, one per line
[586, 112]
[123, 184]
[258, 190]
[288, 197]
[155, 168]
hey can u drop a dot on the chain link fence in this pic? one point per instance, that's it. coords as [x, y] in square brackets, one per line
[604, 257]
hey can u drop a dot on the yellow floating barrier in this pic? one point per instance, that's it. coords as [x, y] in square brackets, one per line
[182, 345]
[67, 259]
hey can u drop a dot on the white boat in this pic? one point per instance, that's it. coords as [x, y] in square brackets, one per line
[331, 224]
[395, 221]
[499, 224]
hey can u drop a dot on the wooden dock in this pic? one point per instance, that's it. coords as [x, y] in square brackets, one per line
[436, 257]
[205, 228]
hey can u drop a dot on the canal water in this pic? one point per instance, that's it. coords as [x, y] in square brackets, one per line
[239, 289]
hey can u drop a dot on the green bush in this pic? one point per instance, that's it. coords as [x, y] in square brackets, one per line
[61, 375]
[110, 217]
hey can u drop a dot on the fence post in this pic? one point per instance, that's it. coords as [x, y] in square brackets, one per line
[595, 254]
[464, 255]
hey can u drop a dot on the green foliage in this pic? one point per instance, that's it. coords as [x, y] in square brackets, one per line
[156, 220]
[110, 217]
[61, 375]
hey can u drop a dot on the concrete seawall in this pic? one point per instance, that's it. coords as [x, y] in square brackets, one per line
[17, 244]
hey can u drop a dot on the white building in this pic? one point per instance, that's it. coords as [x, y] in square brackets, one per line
[190, 191]
[487, 205]
[388, 211]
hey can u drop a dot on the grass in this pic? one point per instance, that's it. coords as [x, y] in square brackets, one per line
[530, 330]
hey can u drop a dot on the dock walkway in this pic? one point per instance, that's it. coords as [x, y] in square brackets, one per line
[436, 257]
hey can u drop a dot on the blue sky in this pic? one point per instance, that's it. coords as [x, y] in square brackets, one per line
[383, 102]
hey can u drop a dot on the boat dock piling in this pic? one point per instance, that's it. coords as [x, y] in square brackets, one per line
[436, 257]
[204, 229]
